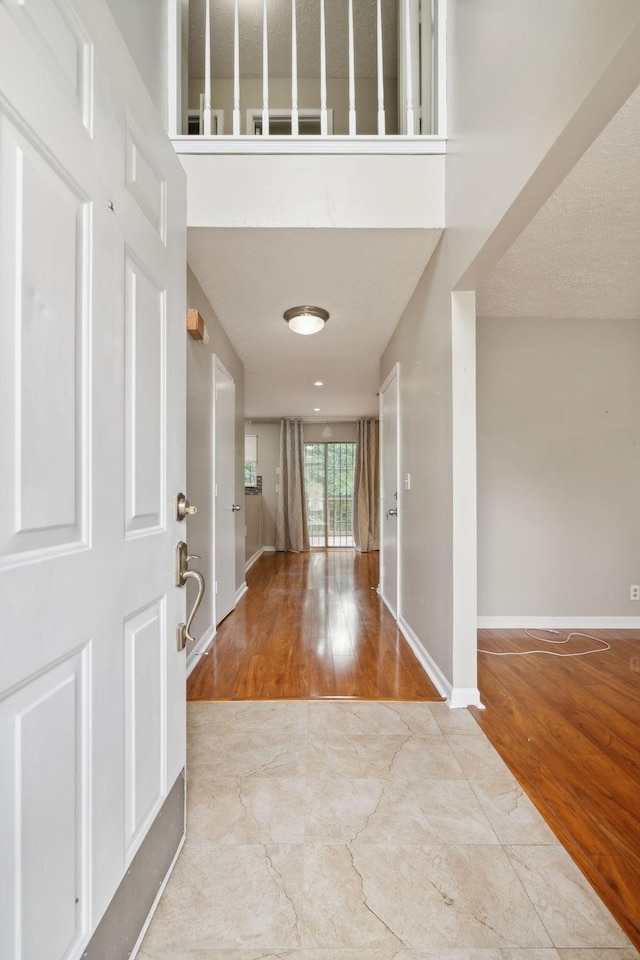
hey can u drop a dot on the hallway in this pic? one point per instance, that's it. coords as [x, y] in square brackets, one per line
[311, 626]
[354, 828]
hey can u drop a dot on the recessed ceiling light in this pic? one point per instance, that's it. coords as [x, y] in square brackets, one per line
[318, 383]
[307, 319]
[316, 409]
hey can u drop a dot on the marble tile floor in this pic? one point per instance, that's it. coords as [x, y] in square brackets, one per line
[355, 830]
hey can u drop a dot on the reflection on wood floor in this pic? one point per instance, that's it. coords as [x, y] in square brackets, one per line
[570, 731]
[311, 626]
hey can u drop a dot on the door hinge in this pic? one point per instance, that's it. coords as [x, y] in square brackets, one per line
[216, 590]
[215, 489]
[215, 395]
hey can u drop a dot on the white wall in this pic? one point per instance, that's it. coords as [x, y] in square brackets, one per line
[144, 26]
[530, 86]
[315, 190]
[200, 447]
[558, 467]
[518, 76]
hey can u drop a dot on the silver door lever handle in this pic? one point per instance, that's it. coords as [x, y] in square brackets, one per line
[393, 512]
[183, 574]
[197, 576]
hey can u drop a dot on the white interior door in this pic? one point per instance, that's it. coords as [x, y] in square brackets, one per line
[92, 392]
[225, 480]
[390, 490]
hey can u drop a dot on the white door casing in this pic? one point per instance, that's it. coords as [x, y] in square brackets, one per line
[224, 533]
[92, 452]
[390, 492]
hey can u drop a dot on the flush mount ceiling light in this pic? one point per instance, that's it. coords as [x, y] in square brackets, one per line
[306, 320]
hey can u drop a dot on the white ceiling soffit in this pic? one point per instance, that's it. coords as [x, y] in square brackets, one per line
[364, 278]
[580, 255]
[279, 31]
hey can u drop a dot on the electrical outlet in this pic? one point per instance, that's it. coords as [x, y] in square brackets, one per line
[634, 591]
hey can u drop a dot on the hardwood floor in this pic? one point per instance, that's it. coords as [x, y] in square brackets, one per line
[569, 729]
[311, 626]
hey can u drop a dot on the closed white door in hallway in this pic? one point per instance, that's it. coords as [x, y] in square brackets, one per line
[390, 490]
[224, 533]
[91, 453]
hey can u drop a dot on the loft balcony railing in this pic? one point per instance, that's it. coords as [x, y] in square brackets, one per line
[298, 69]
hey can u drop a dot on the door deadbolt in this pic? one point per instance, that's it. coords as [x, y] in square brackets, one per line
[184, 508]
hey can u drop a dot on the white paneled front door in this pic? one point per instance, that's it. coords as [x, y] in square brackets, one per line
[92, 393]
[390, 489]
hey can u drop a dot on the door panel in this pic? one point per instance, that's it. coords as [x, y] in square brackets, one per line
[44, 248]
[390, 491]
[145, 182]
[42, 740]
[224, 475]
[145, 704]
[55, 32]
[145, 321]
[92, 452]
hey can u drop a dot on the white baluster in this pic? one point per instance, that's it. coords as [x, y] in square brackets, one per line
[352, 77]
[236, 73]
[207, 70]
[323, 73]
[408, 67]
[380, 72]
[294, 71]
[441, 66]
[265, 72]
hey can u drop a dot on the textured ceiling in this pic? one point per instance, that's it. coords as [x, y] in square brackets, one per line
[279, 29]
[364, 278]
[580, 255]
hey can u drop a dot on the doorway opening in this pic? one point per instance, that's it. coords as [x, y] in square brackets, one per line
[328, 478]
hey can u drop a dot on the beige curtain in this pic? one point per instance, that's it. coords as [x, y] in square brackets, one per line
[291, 513]
[366, 491]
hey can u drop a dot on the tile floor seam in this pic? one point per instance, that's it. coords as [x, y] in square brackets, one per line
[298, 871]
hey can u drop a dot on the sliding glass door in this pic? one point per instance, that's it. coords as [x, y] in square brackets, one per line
[328, 476]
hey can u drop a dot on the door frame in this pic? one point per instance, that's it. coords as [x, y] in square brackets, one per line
[394, 374]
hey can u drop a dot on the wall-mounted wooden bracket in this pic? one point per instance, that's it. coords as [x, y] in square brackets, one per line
[195, 325]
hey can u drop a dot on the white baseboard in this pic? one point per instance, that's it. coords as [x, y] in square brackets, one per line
[456, 697]
[577, 623]
[256, 556]
[269, 549]
[240, 592]
[205, 640]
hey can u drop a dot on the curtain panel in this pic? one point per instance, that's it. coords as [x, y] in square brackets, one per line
[366, 490]
[291, 514]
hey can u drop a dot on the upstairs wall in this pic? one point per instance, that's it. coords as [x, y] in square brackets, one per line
[529, 87]
[144, 26]
[312, 185]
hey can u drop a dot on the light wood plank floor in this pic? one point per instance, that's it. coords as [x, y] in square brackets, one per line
[311, 626]
[569, 729]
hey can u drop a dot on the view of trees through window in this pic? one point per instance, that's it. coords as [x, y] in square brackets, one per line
[328, 476]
